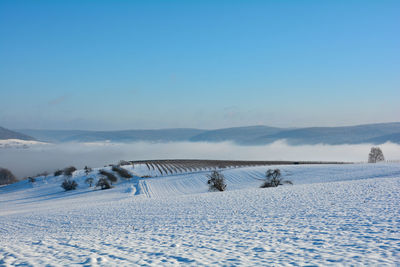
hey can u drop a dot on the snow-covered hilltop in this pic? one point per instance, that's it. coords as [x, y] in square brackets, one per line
[18, 143]
[333, 215]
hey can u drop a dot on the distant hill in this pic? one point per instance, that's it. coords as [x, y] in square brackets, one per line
[394, 138]
[8, 134]
[53, 136]
[162, 135]
[369, 133]
[251, 135]
[240, 135]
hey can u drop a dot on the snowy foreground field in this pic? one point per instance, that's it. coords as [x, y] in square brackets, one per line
[332, 215]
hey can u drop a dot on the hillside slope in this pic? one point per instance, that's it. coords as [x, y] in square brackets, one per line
[370, 133]
[8, 134]
[332, 215]
[162, 135]
[240, 135]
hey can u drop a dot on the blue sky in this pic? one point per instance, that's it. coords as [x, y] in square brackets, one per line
[205, 64]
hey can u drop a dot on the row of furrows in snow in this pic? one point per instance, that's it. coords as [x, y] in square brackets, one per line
[170, 167]
[252, 177]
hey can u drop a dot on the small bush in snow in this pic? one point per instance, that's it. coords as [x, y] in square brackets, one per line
[216, 181]
[69, 184]
[273, 178]
[89, 181]
[31, 179]
[58, 172]
[103, 184]
[111, 177]
[87, 170]
[69, 171]
[121, 171]
[7, 177]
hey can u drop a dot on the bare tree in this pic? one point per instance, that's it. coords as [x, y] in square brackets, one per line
[69, 184]
[69, 171]
[6, 177]
[375, 155]
[103, 183]
[273, 178]
[111, 177]
[216, 181]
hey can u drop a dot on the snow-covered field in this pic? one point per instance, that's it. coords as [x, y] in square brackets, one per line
[332, 215]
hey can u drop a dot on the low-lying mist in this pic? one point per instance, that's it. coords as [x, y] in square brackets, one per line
[40, 158]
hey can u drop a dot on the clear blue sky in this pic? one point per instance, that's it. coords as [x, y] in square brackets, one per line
[204, 64]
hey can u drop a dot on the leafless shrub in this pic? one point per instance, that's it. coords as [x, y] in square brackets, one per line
[111, 177]
[58, 172]
[273, 178]
[69, 184]
[69, 171]
[7, 177]
[216, 181]
[103, 184]
[121, 171]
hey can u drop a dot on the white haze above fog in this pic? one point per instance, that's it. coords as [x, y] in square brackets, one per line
[39, 158]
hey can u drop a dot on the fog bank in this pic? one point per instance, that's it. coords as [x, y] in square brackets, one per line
[39, 158]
